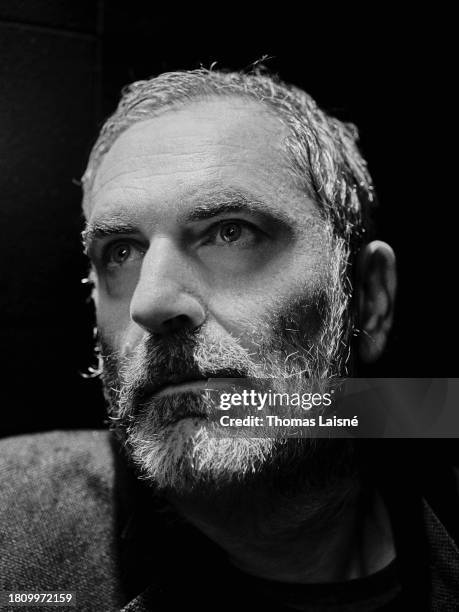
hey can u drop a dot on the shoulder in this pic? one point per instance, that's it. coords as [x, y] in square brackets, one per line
[66, 474]
[57, 511]
[54, 455]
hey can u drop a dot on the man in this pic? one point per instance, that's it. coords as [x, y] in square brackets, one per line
[227, 229]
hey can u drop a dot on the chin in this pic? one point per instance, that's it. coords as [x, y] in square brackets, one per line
[190, 454]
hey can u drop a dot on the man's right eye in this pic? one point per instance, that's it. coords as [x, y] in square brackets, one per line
[120, 254]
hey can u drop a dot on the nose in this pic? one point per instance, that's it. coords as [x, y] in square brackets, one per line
[164, 300]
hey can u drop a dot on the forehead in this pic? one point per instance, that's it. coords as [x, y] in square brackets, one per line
[230, 142]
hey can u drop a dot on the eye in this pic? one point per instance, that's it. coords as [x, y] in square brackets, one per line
[120, 253]
[240, 233]
[230, 232]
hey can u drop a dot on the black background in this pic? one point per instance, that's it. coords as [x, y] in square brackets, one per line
[62, 64]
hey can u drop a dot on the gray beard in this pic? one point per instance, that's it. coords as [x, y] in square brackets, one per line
[168, 437]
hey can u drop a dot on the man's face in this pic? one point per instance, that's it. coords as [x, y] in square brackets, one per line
[209, 261]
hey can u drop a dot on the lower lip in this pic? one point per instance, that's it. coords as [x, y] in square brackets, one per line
[212, 384]
[198, 385]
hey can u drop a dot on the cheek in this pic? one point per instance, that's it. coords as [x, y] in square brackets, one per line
[252, 313]
[113, 321]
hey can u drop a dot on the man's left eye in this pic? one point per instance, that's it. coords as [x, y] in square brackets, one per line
[228, 232]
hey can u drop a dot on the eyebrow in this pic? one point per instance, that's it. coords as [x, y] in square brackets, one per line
[211, 204]
[104, 229]
[236, 203]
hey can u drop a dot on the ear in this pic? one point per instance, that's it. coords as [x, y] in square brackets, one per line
[376, 287]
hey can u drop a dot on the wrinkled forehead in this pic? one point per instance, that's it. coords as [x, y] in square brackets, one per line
[234, 142]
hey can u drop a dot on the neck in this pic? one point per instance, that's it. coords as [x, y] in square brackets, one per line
[335, 536]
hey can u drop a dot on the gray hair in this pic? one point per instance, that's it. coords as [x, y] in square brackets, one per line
[322, 150]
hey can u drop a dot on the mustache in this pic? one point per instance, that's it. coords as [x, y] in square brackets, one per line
[187, 355]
